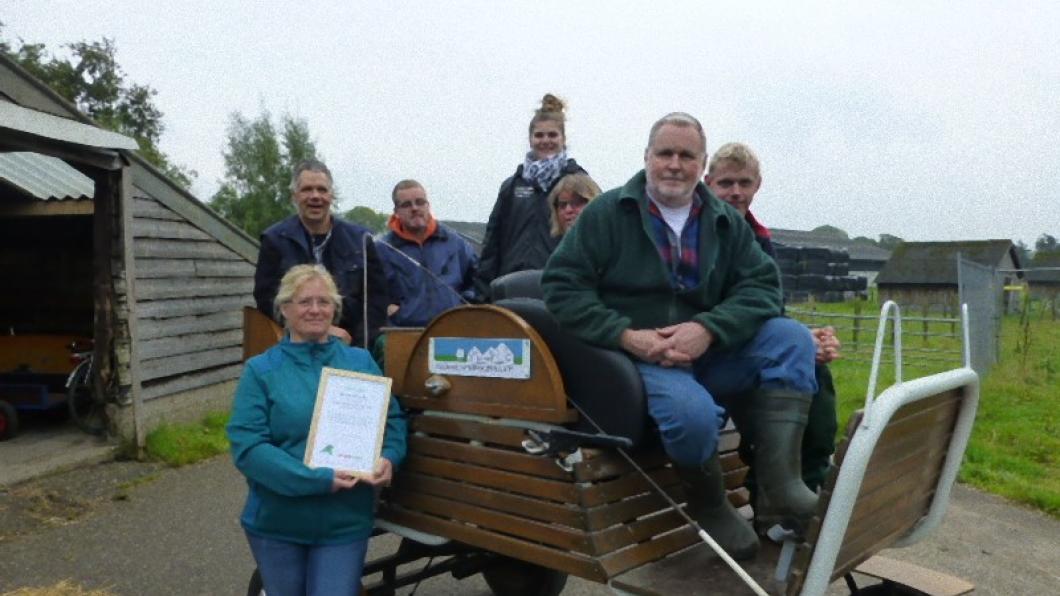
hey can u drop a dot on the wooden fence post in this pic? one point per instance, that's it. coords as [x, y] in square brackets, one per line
[924, 313]
[857, 324]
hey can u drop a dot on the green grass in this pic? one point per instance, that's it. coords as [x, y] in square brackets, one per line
[182, 444]
[1015, 444]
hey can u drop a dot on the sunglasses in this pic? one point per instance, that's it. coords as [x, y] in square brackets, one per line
[575, 203]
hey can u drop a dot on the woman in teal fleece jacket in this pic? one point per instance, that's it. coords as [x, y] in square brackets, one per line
[308, 528]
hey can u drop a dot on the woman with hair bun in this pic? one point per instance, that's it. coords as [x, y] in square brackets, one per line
[518, 235]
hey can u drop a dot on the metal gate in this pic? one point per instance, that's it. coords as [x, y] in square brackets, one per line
[980, 288]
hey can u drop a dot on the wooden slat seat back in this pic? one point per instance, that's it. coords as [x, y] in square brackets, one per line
[895, 470]
[259, 332]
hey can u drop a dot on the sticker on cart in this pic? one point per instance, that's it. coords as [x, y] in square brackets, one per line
[480, 357]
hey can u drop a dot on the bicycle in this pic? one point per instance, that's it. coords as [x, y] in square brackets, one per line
[86, 408]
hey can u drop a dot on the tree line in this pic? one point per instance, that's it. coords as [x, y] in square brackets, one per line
[259, 154]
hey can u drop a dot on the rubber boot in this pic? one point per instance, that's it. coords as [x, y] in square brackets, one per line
[818, 441]
[777, 421]
[710, 507]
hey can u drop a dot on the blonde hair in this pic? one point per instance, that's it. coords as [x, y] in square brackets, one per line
[298, 276]
[580, 185]
[739, 154]
[551, 110]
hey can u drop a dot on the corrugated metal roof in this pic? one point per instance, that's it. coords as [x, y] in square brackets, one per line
[44, 177]
[18, 118]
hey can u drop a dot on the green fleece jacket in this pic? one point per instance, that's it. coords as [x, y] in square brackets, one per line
[268, 432]
[606, 276]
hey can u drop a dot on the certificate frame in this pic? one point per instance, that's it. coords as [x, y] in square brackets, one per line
[349, 420]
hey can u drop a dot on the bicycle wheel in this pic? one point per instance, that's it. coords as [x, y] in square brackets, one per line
[86, 410]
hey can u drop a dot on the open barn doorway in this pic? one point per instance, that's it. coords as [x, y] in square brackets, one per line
[46, 310]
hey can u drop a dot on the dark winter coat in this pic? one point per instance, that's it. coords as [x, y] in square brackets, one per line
[518, 235]
[606, 276]
[287, 243]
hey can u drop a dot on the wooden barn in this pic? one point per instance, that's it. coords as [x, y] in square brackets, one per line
[1043, 278]
[925, 273]
[96, 242]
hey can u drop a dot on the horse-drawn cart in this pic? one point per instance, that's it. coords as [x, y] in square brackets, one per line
[530, 458]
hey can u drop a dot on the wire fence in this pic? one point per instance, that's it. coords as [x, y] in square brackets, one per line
[927, 341]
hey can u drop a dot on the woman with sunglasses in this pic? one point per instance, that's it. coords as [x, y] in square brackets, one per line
[568, 198]
[518, 235]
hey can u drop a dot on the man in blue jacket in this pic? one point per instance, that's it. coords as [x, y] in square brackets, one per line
[663, 270]
[315, 235]
[429, 267]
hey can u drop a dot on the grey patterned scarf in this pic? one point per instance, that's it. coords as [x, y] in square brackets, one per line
[543, 172]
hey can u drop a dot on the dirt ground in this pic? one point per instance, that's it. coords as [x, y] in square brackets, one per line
[68, 497]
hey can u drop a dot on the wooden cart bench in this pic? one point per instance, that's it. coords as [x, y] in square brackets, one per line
[895, 469]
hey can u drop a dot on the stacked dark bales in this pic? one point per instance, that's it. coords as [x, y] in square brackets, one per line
[822, 273]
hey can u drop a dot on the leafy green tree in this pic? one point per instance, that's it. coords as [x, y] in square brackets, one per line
[92, 80]
[256, 190]
[367, 217]
[831, 231]
[1046, 243]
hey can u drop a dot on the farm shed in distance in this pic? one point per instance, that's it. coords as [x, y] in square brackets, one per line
[925, 273]
[98, 242]
[1043, 275]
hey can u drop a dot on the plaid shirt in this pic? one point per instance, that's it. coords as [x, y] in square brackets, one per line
[681, 258]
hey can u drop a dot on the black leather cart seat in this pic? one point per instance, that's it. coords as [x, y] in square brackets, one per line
[518, 284]
[603, 383]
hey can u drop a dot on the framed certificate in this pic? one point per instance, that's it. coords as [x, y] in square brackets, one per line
[349, 418]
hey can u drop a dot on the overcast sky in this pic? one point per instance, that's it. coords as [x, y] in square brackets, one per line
[930, 121]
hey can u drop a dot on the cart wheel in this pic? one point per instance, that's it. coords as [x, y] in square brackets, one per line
[255, 587]
[8, 421]
[512, 577]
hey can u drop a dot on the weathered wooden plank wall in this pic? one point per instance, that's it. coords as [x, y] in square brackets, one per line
[190, 289]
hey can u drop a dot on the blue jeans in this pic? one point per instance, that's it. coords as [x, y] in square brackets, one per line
[291, 569]
[681, 400]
